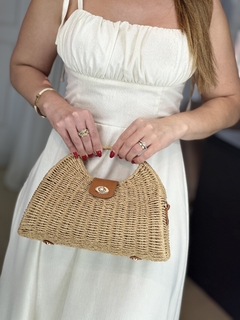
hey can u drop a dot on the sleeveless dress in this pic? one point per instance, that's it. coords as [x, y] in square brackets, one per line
[120, 72]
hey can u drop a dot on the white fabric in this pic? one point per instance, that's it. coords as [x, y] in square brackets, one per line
[120, 72]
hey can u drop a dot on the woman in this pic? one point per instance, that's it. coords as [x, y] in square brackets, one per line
[126, 64]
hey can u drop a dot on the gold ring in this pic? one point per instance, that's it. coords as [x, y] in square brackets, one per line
[83, 133]
[142, 144]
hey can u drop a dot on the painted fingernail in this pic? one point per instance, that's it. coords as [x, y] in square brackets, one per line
[133, 162]
[75, 155]
[99, 153]
[90, 155]
[84, 158]
[112, 154]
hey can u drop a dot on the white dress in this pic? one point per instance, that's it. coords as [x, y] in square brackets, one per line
[120, 72]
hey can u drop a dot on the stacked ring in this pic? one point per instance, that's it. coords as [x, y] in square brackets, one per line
[142, 144]
[83, 133]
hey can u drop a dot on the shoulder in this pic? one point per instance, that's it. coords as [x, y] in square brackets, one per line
[217, 9]
[219, 20]
[225, 62]
[45, 9]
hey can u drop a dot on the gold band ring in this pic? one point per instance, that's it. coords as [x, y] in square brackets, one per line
[83, 133]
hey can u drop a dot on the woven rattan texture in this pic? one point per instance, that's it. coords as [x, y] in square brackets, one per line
[131, 223]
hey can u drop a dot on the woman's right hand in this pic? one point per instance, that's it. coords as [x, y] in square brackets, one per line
[68, 121]
[31, 63]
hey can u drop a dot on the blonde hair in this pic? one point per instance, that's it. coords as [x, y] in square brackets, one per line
[194, 18]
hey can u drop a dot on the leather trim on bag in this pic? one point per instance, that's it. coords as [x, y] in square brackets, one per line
[103, 188]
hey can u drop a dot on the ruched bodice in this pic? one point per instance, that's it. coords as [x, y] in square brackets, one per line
[123, 52]
[120, 72]
[109, 64]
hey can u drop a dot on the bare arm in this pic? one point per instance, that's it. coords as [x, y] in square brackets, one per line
[35, 50]
[220, 108]
[221, 105]
[31, 63]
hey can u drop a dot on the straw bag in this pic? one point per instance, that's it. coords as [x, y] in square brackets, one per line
[127, 218]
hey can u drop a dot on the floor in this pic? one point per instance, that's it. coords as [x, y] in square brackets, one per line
[196, 304]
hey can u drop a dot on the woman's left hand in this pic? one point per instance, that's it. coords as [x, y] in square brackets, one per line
[145, 137]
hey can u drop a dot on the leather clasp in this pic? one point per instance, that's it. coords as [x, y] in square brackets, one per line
[103, 188]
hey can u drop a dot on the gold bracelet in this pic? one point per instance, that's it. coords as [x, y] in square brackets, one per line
[38, 96]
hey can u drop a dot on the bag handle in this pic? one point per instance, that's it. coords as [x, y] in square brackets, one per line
[106, 147]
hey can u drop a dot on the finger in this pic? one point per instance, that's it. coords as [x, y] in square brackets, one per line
[76, 125]
[129, 137]
[125, 142]
[84, 121]
[134, 146]
[85, 137]
[60, 128]
[144, 156]
[124, 136]
[76, 141]
[91, 142]
[94, 135]
[68, 141]
[137, 150]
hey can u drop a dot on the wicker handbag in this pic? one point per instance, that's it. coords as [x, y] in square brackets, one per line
[127, 218]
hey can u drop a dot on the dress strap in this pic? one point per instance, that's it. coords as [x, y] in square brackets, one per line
[64, 11]
[80, 4]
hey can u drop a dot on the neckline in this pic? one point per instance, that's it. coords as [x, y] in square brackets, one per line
[123, 22]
